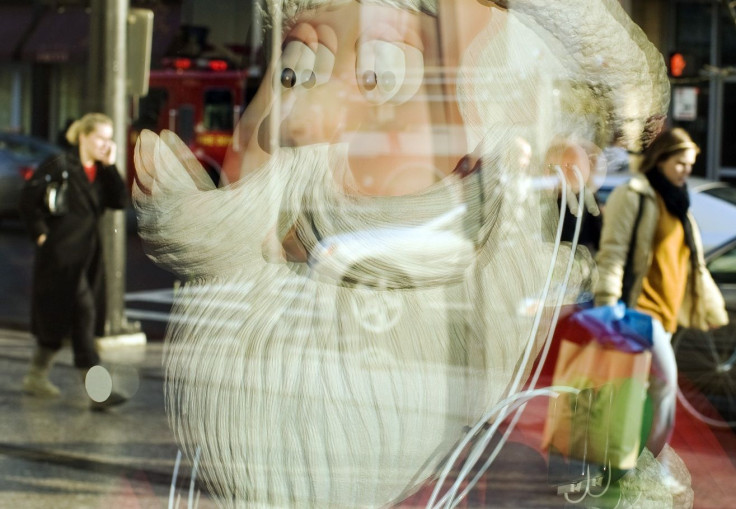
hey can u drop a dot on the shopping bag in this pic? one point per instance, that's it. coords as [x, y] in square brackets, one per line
[605, 356]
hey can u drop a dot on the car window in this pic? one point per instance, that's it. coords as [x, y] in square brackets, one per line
[25, 150]
[5, 158]
[151, 108]
[603, 194]
[715, 217]
[218, 109]
[723, 267]
[726, 193]
[11, 148]
[608, 185]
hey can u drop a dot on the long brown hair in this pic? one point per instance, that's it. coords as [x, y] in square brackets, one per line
[665, 145]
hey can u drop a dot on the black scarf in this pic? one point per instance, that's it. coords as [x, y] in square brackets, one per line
[677, 202]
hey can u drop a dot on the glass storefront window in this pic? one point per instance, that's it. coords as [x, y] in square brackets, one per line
[693, 31]
[359, 295]
[728, 37]
[218, 109]
[692, 37]
[152, 110]
[728, 146]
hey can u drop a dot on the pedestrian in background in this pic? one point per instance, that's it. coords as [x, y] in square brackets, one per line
[616, 155]
[570, 154]
[669, 278]
[61, 205]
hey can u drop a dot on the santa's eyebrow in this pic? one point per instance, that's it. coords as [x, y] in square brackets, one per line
[327, 37]
[312, 35]
[389, 33]
[303, 32]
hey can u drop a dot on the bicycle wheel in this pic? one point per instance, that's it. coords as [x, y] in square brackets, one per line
[707, 377]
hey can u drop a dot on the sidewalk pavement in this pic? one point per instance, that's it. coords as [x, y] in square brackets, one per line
[59, 454]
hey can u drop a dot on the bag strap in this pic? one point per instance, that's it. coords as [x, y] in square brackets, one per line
[628, 279]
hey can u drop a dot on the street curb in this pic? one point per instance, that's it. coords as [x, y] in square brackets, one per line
[121, 340]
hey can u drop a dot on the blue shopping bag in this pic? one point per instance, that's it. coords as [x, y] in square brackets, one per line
[618, 327]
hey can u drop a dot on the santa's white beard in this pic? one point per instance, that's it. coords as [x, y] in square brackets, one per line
[298, 390]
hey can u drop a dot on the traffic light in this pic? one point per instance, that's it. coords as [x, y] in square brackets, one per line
[678, 64]
[683, 65]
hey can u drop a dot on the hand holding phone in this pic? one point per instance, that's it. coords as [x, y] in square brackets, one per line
[111, 154]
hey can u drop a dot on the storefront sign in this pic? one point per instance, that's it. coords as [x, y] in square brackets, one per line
[685, 104]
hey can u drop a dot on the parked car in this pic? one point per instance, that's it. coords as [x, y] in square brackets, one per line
[19, 157]
[713, 204]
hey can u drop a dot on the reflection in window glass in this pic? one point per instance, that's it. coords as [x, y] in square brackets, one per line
[728, 38]
[151, 108]
[723, 268]
[24, 149]
[724, 193]
[693, 30]
[698, 128]
[728, 148]
[693, 36]
[218, 109]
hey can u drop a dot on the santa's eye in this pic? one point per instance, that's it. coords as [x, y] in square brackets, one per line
[288, 78]
[297, 62]
[387, 71]
[302, 66]
[368, 80]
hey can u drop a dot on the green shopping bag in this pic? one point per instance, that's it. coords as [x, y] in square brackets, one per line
[601, 423]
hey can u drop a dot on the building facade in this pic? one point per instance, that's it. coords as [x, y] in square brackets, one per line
[44, 74]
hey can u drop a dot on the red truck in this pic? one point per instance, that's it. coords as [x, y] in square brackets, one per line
[200, 100]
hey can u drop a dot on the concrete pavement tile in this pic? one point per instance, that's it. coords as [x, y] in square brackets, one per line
[57, 453]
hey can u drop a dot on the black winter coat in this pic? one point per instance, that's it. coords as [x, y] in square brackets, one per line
[72, 246]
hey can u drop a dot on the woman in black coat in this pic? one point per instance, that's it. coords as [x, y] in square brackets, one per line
[68, 295]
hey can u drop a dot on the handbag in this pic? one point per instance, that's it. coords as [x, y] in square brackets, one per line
[627, 281]
[605, 358]
[57, 194]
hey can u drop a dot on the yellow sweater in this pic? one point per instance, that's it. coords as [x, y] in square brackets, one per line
[663, 289]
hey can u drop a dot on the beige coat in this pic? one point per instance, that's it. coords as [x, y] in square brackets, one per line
[701, 309]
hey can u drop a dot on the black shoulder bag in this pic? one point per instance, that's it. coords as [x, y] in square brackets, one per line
[57, 194]
[628, 279]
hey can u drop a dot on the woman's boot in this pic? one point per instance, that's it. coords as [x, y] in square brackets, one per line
[36, 382]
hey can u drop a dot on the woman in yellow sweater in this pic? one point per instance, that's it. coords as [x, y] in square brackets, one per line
[669, 279]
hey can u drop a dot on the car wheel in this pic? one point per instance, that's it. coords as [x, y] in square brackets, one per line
[376, 305]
